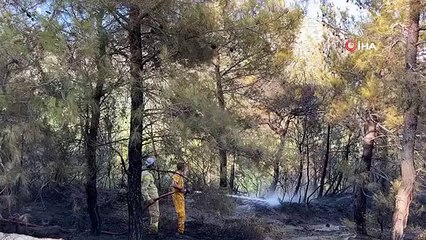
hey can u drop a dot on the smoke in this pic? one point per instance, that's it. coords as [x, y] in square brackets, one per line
[270, 201]
[279, 196]
[276, 198]
[273, 201]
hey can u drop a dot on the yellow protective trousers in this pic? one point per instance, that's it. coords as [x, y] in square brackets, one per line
[179, 202]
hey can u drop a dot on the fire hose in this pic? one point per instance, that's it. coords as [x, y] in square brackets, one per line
[156, 199]
[160, 197]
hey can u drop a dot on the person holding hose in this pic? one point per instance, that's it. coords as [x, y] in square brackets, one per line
[179, 196]
[149, 194]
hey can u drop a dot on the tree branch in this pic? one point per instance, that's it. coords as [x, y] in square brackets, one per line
[123, 163]
[149, 58]
[111, 142]
[155, 8]
[117, 16]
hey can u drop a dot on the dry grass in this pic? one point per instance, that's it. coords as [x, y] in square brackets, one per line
[213, 200]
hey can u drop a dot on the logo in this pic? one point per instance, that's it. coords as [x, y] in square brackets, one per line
[352, 45]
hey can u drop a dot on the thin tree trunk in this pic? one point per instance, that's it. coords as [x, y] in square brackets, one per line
[307, 171]
[385, 186]
[279, 156]
[223, 163]
[315, 168]
[220, 139]
[154, 149]
[232, 177]
[93, 129]
[408, 172]
[136, 126]
[299, 178]
[277, 161]
[324, 169]
[363, 174]
[346, 160]
[384, 183]
[331, 184]
[110, 153]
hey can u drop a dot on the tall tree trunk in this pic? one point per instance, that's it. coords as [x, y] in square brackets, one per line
[279, 156]
[324, 167]
[363, 174]
[93, 129]
[220, 139]
[408, 173]
[136, 126]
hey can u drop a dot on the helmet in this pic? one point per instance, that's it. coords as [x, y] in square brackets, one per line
[149, 161]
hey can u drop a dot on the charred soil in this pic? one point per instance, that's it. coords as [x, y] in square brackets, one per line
[58, 211]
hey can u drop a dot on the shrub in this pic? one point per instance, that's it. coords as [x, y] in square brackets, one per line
[214, 200]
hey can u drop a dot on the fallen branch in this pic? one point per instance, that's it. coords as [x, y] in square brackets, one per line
[19, 223]
[35, 230]
[114, 233]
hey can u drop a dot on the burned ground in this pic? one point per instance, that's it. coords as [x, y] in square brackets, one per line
[64, 207]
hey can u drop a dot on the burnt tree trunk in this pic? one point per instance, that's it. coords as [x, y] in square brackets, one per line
[136, 126]
[363, 174]
[408, 172]
[325, 165]
[93, 129]
[279, 156]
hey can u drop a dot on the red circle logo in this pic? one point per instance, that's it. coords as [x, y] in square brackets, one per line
[351, 45]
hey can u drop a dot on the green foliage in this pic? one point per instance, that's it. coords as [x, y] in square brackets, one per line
[273, 63]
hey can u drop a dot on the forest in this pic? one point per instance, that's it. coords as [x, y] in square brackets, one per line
[249, 119]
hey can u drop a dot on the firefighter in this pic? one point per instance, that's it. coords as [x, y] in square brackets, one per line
[178, 196]
[149, 193]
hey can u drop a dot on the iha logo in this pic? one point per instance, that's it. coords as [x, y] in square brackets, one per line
[352, 45]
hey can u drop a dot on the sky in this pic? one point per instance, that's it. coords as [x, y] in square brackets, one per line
[313, 9]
